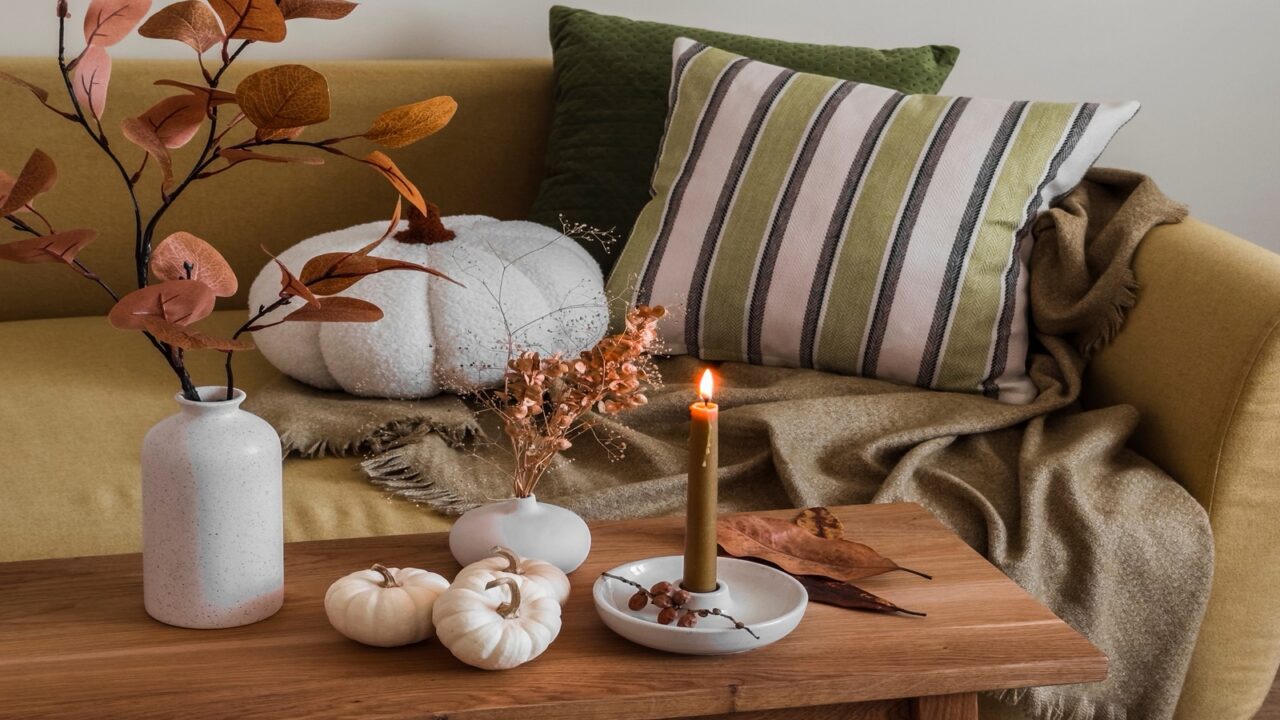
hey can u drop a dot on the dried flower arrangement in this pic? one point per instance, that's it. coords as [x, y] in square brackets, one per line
[544, 402]
[180, 277]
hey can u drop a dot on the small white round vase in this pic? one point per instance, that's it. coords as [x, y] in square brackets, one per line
[212, 515]
[530, 528]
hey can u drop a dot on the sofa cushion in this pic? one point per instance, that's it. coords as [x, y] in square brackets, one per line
[78, 398]
[611, 76]
[806, 221]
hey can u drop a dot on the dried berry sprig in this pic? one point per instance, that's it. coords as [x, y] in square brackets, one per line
[671, 601]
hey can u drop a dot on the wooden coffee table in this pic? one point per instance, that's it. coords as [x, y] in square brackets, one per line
[75, 642]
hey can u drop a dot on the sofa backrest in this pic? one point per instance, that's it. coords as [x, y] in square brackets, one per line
[488, 161]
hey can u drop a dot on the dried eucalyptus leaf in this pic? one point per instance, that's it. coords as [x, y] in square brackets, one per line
[251, 19]
[798, 551]
[190, 22]
[183, 256]
[284, 97]
[107, 22]
[180, 302]
[407, 124]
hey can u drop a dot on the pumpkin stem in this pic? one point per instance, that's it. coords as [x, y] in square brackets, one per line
[507, 609]
[388, 580]
[425, 229]
[513, 560]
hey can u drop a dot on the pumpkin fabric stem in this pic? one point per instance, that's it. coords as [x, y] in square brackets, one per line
[425, 229]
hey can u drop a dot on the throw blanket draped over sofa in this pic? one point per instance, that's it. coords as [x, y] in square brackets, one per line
[1047, 492]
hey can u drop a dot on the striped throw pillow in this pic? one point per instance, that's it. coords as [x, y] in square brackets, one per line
[806, 221]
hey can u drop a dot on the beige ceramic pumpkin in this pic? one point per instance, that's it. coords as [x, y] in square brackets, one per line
[385, 607]
[506, 562]
[502, 624]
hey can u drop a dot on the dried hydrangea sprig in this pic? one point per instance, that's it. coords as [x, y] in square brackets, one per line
[671, 602]
[278, 102]
[543, 402]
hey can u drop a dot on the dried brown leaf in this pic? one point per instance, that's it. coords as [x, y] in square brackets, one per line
[379, 161]
[91, 78]
[408, 124]
[290, 285]
[316, 9]
[235, 156]
[57, 247]
[209, 95]
[189, 339]
[798, 551]
[820, 522]
[189, 21]
[331, 273]
[846, 595]
[284, 97]
[262, 135]
[172, 256]
[141, 133]
[251, 19]
[175, 120]
[107, 22]
[337, 309]
[180, 302]
[41, 94]
[38, 176]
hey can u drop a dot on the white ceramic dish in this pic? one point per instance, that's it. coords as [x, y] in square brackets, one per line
[768, 601]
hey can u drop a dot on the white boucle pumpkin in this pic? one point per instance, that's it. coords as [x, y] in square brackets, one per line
[523, 282]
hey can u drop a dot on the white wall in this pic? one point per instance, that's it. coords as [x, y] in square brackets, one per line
[1206, 71]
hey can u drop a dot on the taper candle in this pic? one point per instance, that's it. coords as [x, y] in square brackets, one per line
[700, 518]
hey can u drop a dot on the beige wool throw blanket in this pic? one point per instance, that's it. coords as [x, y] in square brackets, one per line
[1046, 491]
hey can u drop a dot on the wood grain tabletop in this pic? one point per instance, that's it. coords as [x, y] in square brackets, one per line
[75, 642]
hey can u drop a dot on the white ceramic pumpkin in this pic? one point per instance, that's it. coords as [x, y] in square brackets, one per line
[523, 282]
[385, 607]
[502, 624]
[506, 562]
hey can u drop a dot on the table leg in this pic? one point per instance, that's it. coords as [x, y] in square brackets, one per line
[963, 706]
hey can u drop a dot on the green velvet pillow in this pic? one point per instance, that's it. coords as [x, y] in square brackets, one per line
[612, 76]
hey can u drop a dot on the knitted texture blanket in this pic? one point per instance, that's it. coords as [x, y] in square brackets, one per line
[1046, 491]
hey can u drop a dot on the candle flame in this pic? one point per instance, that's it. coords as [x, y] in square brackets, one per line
[706, 386]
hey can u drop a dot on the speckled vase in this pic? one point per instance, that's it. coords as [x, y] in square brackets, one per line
[212, 515]
[532, 529]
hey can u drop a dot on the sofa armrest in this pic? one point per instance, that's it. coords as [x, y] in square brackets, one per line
[1199, 357]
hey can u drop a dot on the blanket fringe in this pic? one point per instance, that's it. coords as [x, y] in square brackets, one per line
[381, 439]
[1111, 317]
[1038, 706]
[393, 474]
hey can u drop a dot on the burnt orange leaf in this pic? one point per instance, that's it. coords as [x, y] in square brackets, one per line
[41, 94]
[284, 97]
[798, 551]
[290, 285]
[262, 135]
[141, 133]
[208, 95]
[408, 124]
[337, 309]
[251, 19]
[331, 273]
[819, 521]
[190, 22]
[58, 247]
[188, 339]
[180, 302]
[316, 9]
[379, 161]
[235, 156]
[172, 257]
[846, 595]
[37, 177]
[175, 120]
[107, 22]
[92, 75]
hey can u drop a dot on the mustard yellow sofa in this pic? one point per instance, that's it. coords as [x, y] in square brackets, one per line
[1198, 356]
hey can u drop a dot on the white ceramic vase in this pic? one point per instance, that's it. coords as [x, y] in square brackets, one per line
[532, 529]
[212, 515]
